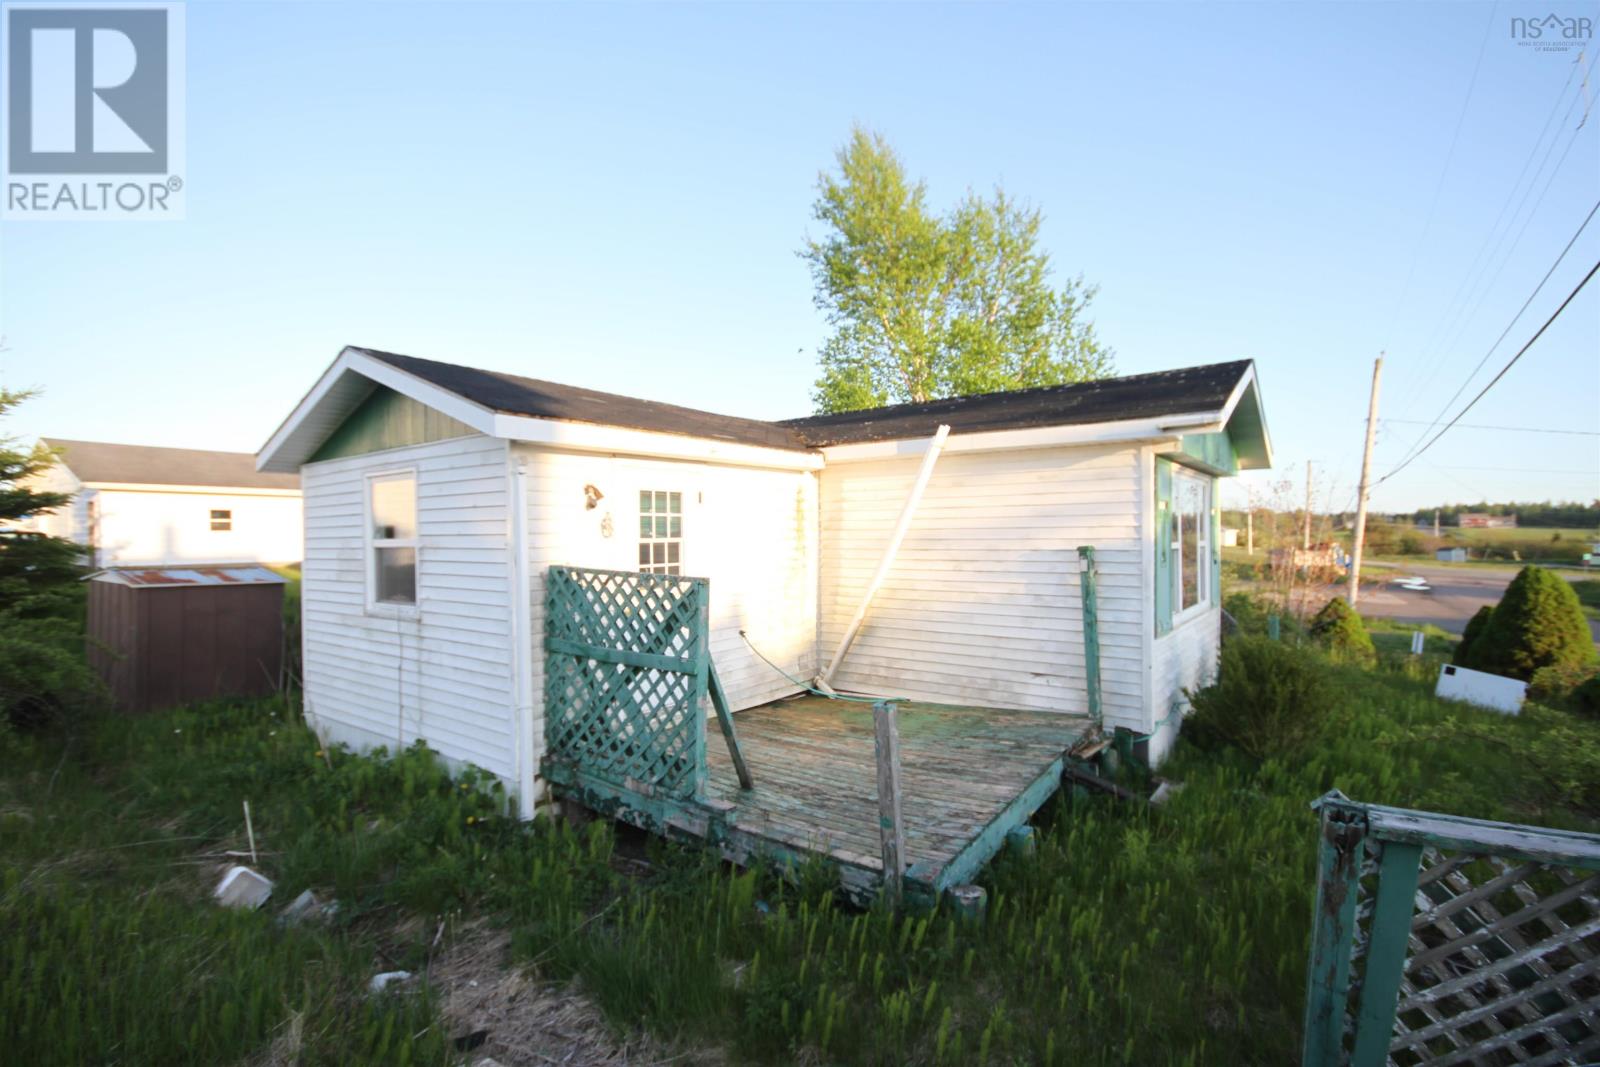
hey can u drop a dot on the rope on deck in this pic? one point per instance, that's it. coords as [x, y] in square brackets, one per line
[813, 690]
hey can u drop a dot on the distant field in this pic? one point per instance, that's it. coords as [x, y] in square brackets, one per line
[1547, 534]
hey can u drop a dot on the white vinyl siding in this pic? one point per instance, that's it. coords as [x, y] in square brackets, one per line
[1181, 660]
[751, 531]
[441, 673]
[982, 605]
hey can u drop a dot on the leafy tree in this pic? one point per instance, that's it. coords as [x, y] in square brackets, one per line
[1538, 623]
[42, 666]
[925, 305]
[1470, 635]
[1339, 630]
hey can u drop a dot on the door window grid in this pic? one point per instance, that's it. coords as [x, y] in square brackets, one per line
[660, 531]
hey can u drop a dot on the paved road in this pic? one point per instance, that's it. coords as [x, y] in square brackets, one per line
[1458, 593]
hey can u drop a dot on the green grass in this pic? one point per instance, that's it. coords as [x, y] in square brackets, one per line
[1136, 935]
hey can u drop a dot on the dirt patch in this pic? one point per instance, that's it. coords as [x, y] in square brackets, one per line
[528, 1023]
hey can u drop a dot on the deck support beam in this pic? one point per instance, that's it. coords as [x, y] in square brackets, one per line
[891, 829]
[892, 549]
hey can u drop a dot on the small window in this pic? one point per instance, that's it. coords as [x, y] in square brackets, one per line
[660, 531]
[392, 529]
[221, 520]
[1191, 541]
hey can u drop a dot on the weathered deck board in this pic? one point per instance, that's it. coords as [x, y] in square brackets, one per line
[967, 776]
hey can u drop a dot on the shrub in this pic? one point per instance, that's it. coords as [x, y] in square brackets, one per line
[1585, 698]
[1556, 684]
[1538, 623]
[1338, 629]
[1469, 636]
[1270, 699]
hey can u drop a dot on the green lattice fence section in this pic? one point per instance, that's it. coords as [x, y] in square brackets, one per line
[1444, 940]
[627, 659]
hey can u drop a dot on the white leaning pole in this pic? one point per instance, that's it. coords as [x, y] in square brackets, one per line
[929, 457]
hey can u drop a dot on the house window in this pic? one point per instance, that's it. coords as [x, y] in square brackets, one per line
[660, 531]
[392, 531]
[1191, 541]
[221, 519]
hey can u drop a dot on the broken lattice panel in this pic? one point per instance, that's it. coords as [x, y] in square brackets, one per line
[1502, 964]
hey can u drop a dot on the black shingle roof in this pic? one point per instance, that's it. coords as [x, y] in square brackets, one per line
[1138, 396]
[516, 395]
[102, 461]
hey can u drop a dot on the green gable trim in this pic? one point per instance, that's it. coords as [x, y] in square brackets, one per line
[388, 419]
[1213, 453]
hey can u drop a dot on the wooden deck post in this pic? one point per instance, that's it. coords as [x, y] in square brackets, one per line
[896, 536]
[891, 831]
[719, 701]
[1091, 628]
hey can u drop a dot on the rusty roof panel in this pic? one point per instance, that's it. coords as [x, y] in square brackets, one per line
[166, 577]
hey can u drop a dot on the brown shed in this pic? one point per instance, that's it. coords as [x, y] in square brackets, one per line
[165, 636]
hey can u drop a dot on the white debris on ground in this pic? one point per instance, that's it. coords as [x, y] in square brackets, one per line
[381, 982]
[1165, 792]
[243, 888]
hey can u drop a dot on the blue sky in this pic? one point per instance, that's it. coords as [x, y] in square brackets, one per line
[613, 196]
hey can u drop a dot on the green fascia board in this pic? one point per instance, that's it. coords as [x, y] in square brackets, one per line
[387, 419]
[1213, 453]
[1247, 429]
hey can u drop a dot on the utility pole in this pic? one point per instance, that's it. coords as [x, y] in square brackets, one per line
[1366, 483]
[1436, 522]
[1250, 529]
[1305, 537]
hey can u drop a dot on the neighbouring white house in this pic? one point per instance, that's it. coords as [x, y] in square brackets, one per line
[134, 505]
[437, 495]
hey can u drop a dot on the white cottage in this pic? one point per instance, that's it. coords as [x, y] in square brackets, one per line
[436, 496]
[134, 505]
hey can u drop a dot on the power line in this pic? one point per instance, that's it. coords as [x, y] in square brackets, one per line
[1450, 155]
[1503, 333]
[1456, 308]
[1495, 380]
[1594, 472]
[1509, 429]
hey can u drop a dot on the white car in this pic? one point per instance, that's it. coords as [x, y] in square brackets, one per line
[1414, 584]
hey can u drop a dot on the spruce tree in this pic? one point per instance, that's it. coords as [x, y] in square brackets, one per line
[1538, 623]
[1469, 637]
[1338, 629]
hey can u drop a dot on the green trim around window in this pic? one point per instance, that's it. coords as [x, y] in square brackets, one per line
[1161, 529]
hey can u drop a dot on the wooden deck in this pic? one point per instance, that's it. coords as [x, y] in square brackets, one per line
[968, 777]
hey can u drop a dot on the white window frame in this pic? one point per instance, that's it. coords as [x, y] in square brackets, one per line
[227, 519]
[1202, 602]
[371, 545]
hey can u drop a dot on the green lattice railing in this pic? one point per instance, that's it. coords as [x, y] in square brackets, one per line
[1452, 941]
[627, 663]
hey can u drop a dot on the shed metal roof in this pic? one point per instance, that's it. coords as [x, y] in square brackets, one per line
[102, 461]
[171, 577]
